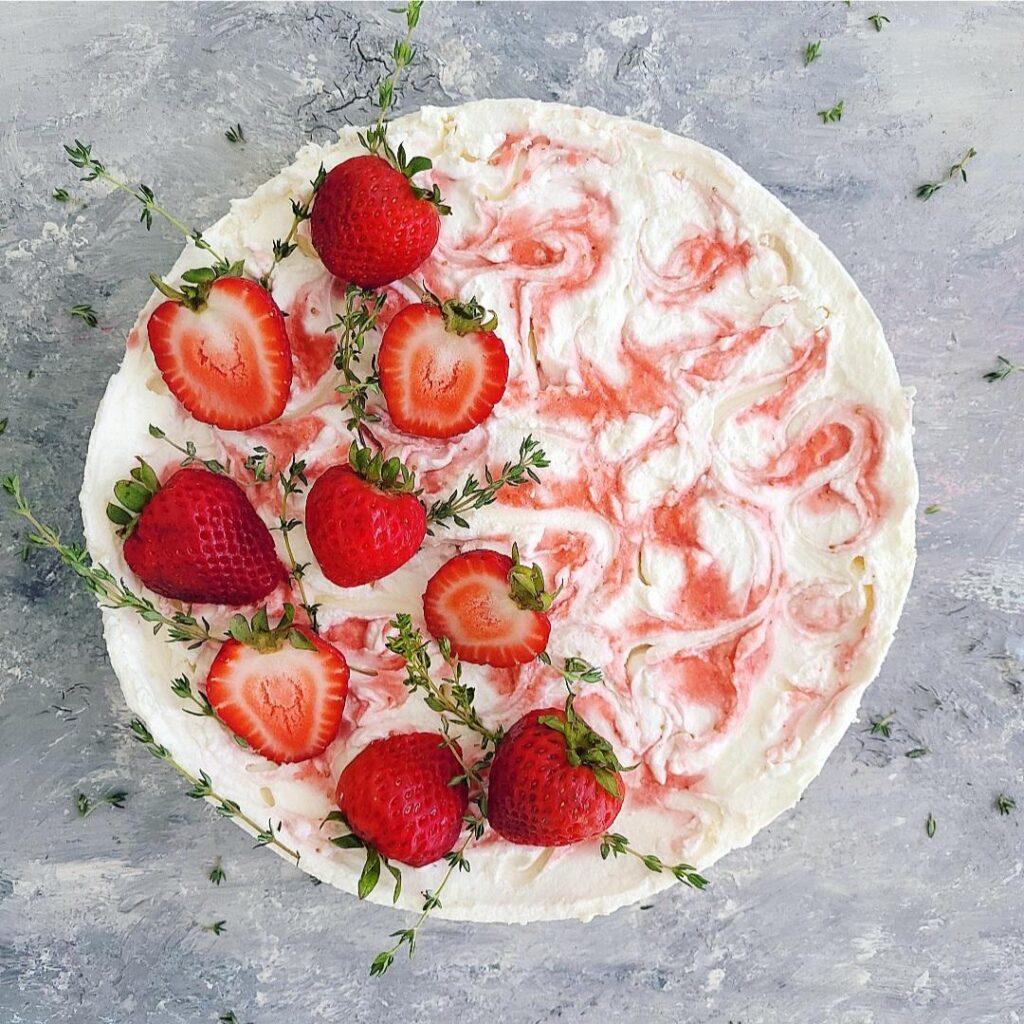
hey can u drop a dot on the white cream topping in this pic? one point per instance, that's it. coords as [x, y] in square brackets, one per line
[625, 247]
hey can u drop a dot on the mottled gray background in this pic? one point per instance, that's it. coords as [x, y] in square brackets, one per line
[843, 911]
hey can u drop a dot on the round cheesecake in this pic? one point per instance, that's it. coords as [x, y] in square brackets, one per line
[728, 508]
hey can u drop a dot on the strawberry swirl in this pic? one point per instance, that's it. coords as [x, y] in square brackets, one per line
[728, 507]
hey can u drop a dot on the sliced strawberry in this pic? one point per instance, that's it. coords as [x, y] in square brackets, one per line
[282, 690]
[490, 607]
[223, 351]
[442, 368]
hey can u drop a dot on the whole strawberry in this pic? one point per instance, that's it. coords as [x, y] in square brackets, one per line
[363, 520]
[370, 224]
[397, 796]
[553, 781]
[196, 538]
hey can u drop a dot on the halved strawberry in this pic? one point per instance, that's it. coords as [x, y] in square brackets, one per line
[490, 607]
[222, 349]
[282, 690]
[442, 368]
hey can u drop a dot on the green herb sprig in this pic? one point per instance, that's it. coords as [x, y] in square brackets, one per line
[201, 788]
[80, 156]
[294, 482]
[1003, 370]
[958, 170]
[881, 725]
[217, 927]
[474, 496]
[235, 134]
[1004, 804]
[217, 874]
[930, 826]
[832, 114]
[85, 806]
[181, 627]
[189, 451]
[456, 861]
[85, 313]
[302, 210]
[811, 53]
[181, 687]
[613, 844]
[258, 464]
[877, 20]
[363, 307]
[375, 139]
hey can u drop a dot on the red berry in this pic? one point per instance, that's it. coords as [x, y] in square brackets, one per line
[199, 539]
[229, 363]
[396, 796]
[284, 698]
[359, 532]
[436, 381]
[368, 226]
[536, 797]
[489, 608]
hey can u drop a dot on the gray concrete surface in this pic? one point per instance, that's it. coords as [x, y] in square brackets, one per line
[844, 911]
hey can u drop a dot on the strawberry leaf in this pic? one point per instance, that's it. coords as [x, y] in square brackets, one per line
[370, 875]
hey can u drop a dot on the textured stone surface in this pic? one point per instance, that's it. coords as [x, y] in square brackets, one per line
[843, 911]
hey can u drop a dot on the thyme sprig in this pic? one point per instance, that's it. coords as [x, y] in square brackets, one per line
[1004, 804]
[363, 307]
[832, 114]
[80, 155]
[1003, 370]
[61, 195]
[881, 725]
[452, 698]
[613, 844]
[294, 482]
[85, 313]
[181, 687]
[811, 53]
[217, 874]
[85, 806]
[474, 496]
[188, 449]
[181, 627]
[959, 169]
[930, 826]
[201, 788]
[375, 139]
[575, 670]
[258, 464]
[301, 211]
[235, 134]
[877, 20]
[456, 861]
